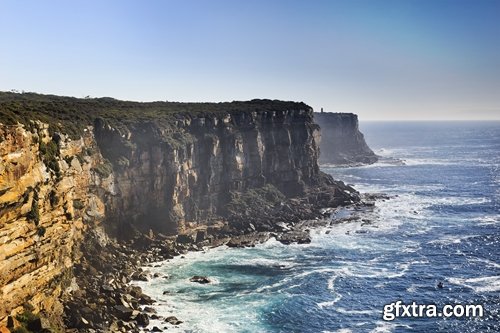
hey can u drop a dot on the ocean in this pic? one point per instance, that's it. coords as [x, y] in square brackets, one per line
[442, 225]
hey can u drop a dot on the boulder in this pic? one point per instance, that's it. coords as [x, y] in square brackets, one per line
[149, 309]
[142, 319]
[122, 312]
[145, 300]
[296, 236]
[140, 276]
[173, 320]
[200, 279]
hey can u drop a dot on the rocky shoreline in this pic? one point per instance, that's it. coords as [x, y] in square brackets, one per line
[108, 301]
[85, 203]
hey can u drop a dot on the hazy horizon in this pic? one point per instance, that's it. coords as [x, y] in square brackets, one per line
[384, 60]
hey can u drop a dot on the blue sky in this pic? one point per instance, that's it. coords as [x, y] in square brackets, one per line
[400, 59]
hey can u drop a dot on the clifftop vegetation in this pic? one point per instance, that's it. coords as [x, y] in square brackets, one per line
[71, 115]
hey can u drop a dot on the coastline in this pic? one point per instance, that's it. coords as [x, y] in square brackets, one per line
[110, 275]
[118, 193]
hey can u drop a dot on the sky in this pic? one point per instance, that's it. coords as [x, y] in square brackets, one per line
[381, 59]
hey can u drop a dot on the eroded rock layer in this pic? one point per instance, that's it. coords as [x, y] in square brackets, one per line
[46, 202]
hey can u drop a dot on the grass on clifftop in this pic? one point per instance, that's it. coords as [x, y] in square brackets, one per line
[71, 115]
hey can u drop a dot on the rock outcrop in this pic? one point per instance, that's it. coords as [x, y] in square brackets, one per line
[341, 141]
[46, 203]
[190, 173]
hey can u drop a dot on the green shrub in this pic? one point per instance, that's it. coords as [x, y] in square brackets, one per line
[78, 204]
[264, 196]
[26, 195]
[50, 155]
[34, 213]
[41, 231]
[26, 317]
[20, 329]
[53, 199]
[104, 169]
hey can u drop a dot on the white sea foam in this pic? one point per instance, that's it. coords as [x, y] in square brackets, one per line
[331, 287]
[412, 288]
[360, 270]
[489, 263]
[329, 304]
[428, 161]
[487, 219]
[384, 327]
[479, 284]
[356, 312]
[264, 262]
[229, 316]
[460, 201]
[274, 286]
[448, 240]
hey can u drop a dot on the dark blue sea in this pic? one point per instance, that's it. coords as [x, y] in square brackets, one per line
[441, 225]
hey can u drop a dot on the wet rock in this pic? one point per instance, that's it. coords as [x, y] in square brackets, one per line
[149, 309]
[185, 239]
[142, 319]
[296, 236]
[200, 279]
[122, 312]
[135, 291]
[146, 300]
[140, 276]
[156, 329]
[248, 239]
[173, 320]
[200, 236]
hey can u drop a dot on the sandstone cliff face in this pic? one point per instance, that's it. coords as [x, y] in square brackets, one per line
[341, 141]
[43, 212]
[166, 175]
[164, 184]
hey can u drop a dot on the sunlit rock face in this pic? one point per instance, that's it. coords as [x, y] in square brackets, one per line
[341, 141]
[44, 212]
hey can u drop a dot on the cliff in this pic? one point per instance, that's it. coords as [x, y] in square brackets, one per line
[46, 203]
[78, 169]
[341, 141]
[166, 185]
